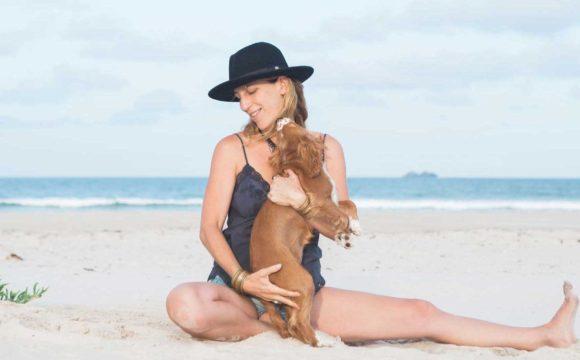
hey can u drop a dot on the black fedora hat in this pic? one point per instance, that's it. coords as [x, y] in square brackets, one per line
[256, 61]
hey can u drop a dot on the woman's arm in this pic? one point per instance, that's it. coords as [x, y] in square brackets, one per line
[216, 202]
[336, 166]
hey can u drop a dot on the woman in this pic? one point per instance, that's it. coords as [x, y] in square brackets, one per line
[268, 89]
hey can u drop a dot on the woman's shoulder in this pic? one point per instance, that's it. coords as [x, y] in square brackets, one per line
[228, 154]
[330, 142]
[230, 141]
[229, 147]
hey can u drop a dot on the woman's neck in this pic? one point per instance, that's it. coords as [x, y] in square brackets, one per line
[269, 141]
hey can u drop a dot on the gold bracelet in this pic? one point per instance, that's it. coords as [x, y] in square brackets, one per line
[306, 206]
[238, 280]
[236, 283]
[241, 282]
[234, 277]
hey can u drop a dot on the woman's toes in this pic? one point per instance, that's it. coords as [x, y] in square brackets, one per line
[562, 324]
[567, 287]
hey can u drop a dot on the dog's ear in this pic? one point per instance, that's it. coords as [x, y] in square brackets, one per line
[310, 150]
[286, 136]
[278, 158]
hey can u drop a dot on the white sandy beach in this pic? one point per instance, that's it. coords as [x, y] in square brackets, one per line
[108, 274]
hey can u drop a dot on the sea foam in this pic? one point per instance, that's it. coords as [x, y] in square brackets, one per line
[439, 204]
[362, 203]
[58, 202]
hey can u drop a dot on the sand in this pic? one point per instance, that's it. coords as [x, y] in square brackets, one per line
[108, 274]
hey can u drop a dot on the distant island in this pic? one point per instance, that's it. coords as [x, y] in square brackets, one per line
[423, 175]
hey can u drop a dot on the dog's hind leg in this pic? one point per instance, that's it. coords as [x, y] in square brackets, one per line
[299, 320]
[276, 319]
[299, 326]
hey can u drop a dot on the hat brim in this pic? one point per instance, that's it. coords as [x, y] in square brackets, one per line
[225, 90]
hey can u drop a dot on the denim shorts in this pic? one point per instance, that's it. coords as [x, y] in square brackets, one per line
[257, 304]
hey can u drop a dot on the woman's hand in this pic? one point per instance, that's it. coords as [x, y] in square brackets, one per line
[258, 284]
[287, 191]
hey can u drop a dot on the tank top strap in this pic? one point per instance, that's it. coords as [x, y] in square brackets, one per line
[323, 139]
[244, 148]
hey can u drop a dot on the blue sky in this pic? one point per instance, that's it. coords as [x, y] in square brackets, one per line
[119, 88]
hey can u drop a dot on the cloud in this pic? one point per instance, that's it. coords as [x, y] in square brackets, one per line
[449, 60]
[530, 17]
[26, 22]
[64, 83]
[9, 121]
[105, 38]
[52, 6]
[439, 45]
[13, 40]
[9, 43]
[575, 92]
[150, 107]
[533, 17]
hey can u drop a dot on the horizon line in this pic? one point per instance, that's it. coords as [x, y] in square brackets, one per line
[348, 177]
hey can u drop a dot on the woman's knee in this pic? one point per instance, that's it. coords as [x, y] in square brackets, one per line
[423, 310]
[185, 306]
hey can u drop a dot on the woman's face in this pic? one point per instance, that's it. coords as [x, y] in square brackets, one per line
[262, 100]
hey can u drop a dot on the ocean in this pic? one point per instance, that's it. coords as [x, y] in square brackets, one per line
[371, 193]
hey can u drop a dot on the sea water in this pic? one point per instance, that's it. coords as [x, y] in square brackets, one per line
[372, 193]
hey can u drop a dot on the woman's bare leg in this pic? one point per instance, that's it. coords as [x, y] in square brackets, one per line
[356, 316]
[213, 312]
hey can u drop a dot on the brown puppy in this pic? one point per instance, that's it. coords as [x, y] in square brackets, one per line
[280, 233]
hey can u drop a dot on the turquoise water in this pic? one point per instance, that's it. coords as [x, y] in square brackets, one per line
[377, 193]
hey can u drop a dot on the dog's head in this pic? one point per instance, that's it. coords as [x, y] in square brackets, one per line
[296, 149]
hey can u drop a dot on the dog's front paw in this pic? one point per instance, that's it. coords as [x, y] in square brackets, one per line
[326, 340]
[343, 239]
[354, 226]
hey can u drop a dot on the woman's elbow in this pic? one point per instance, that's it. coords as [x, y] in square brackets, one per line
[203, 234]
[206, 231]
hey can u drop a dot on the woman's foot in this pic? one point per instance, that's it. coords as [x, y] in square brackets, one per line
[561, 327]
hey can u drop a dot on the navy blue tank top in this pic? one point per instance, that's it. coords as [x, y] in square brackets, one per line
[250, 192]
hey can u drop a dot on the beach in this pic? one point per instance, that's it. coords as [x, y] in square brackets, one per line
[108, 273]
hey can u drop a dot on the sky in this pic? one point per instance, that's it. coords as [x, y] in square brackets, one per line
[460, 88]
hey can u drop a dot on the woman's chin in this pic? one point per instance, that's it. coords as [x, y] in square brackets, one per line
[262, 124]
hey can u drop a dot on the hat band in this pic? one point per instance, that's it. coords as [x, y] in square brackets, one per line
[259, 71]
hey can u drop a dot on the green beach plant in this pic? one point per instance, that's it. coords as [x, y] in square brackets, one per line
[20, 296]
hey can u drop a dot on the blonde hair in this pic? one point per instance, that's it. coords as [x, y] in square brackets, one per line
[294, 107]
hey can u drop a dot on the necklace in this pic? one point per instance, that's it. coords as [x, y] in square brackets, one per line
[269, 141]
